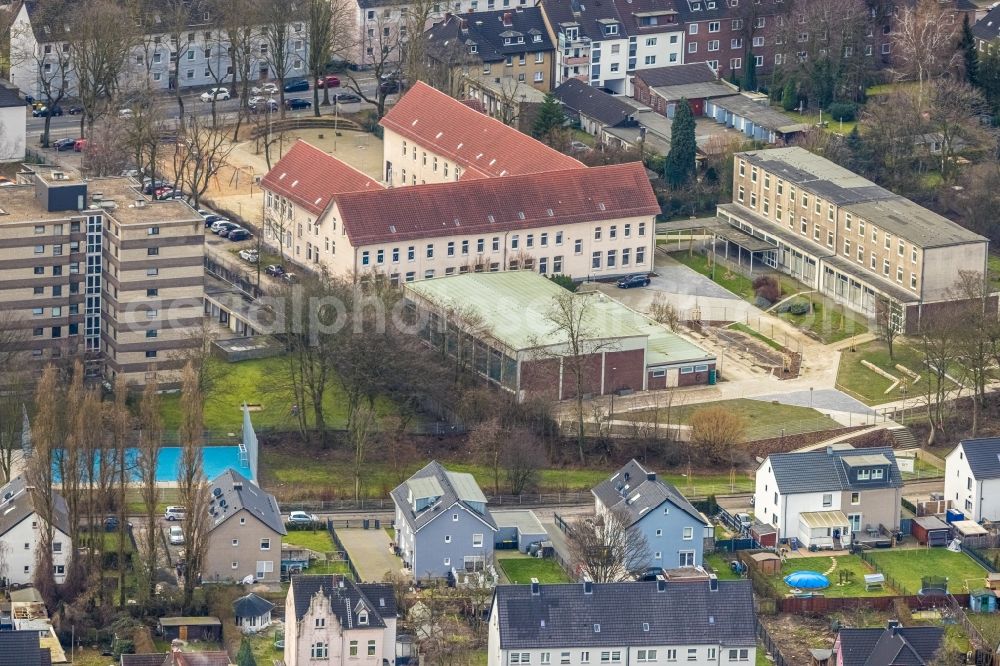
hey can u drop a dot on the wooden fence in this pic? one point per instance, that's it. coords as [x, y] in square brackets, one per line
[822, 605]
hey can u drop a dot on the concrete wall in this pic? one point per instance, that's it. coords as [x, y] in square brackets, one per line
[941, 264]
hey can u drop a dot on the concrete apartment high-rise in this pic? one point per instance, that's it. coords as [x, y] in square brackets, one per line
[92, 267]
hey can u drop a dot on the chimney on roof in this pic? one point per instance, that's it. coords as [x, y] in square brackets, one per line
[713, 582]
[892, 626]
[508, 19]
[463, 24]
[661, 585]
[588, 586]
[829, 450]
[651, 476]
[237, 485]
[535, 591]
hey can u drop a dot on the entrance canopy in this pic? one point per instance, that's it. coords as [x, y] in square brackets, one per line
[824, 519]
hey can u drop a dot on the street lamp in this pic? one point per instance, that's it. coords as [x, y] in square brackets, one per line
[810, 397]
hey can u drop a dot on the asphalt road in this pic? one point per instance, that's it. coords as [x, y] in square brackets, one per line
[67, 125]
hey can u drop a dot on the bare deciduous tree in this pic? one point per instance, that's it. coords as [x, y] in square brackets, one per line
[953, 115]
[522, 458]
[191, 482]
[717, 433]
[200, 152]
[150, 435]
[608, 547]
[926, 43]
[47, 435]
[937, 342]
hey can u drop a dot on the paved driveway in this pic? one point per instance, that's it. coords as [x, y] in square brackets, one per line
[370, 552]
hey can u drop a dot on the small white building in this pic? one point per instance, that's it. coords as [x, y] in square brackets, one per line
[972, 478]
[13, 125]
[253, 613]
[20, 534]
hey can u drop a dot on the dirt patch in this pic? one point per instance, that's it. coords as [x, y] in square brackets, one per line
[796, 634]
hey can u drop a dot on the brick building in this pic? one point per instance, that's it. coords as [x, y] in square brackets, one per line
[517, 345]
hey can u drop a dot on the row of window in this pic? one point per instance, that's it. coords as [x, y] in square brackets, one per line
[321, 650]
[644, 655]
[265, 544]
[610, 258]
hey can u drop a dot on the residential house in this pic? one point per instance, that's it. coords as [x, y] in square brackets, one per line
[244, 532]
[13, 127]
[511, 44]
[442, 523]
[594, 108]
[972, 478]
[845, 236]
[695, 621]
[92, 266]
[333, 620]
[725, 34]
[915, 646]
[20, 532]
[191, 627]
[986, 30]
[252, 613]
[506, 99]
[830, 497]
[622, 349]
[430, 137]
[195, 52]
[23, 648]
[28, 612]
[676, 532]
[603, 43]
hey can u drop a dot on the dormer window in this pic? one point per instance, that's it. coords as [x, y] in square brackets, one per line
[363, 618]
[572, 34]
[520, 40]
[473, 48]
[536, 38]
[506, 41]
[864, 474]
[878, 474]
[611, 29]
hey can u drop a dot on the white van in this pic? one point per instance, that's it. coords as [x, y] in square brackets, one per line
[175, 513]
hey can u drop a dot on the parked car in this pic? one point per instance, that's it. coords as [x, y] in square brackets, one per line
[346, 98]
[216, 94]
[74, 110]
[328, 82]
[215, 226]
[249, 255]
[633, 280]
[390, 86]
[226, 226]
[297, 86]
[295, 104]
[80, 145]
[262, 105]
[302, 517]
[264, 89]
[43, 111]
[212, 219]
[239, 235]
[275, 270]
[175, 513]
[176, 535]
[164, 193]
[225, 231]
[150, 186]
[291, 278]
[578, 147]
[651, 573]
[204, 213]
[64, 144]
[124, 114]
[111, 523]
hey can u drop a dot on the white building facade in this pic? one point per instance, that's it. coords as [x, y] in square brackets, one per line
[972, 478]
[21, 532]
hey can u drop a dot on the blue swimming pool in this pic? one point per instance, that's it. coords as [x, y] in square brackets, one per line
[216, 459]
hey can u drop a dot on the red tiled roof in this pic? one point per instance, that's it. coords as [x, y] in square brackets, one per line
[471, 139]
[310, 177]
[489, 205]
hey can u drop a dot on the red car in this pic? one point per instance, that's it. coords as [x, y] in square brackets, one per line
[328, 82]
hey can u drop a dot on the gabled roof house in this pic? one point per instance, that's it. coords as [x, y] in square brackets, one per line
[972, 478]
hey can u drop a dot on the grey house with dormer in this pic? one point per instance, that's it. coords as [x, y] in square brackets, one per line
[442, 523]
[828, 498]
[674, 529]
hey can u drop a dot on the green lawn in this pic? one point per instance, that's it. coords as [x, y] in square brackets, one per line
[908, 566]
[852, 587]
[521, 569]
[922, 470]
[763, 420]
[829, 321]
[260, 383]
[734, 282]
[993, 272]
[317, 540]
[329, 567]
[869, 386]
[719, 563]
[743, 328]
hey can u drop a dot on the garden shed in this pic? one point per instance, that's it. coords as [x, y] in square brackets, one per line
[191, 628]
[518, 528]
[764, 534]
[767, 563]
[983, 601]
[971, 533]
[930, 531]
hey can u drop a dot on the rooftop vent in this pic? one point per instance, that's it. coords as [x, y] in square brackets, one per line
[535, 590]
[237, 485]
[588, 587]
[597, 628]
[661, 585]
[58, 175]
[217, 492]
[713, 582]
[645, 626]
[140, 203]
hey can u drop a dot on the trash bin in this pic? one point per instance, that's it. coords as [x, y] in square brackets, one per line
[711, 377]
[365, 523]
[378, 524]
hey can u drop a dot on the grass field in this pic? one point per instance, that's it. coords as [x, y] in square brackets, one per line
[317, 540]
[869, 386]
[829, 321]
[993, 272]
[734, 282]
[260, 383]
[521, 569]
[852, 587]
[910, 565]
[719, 562]
[331, 567]
[763, 420]
[285, 473]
